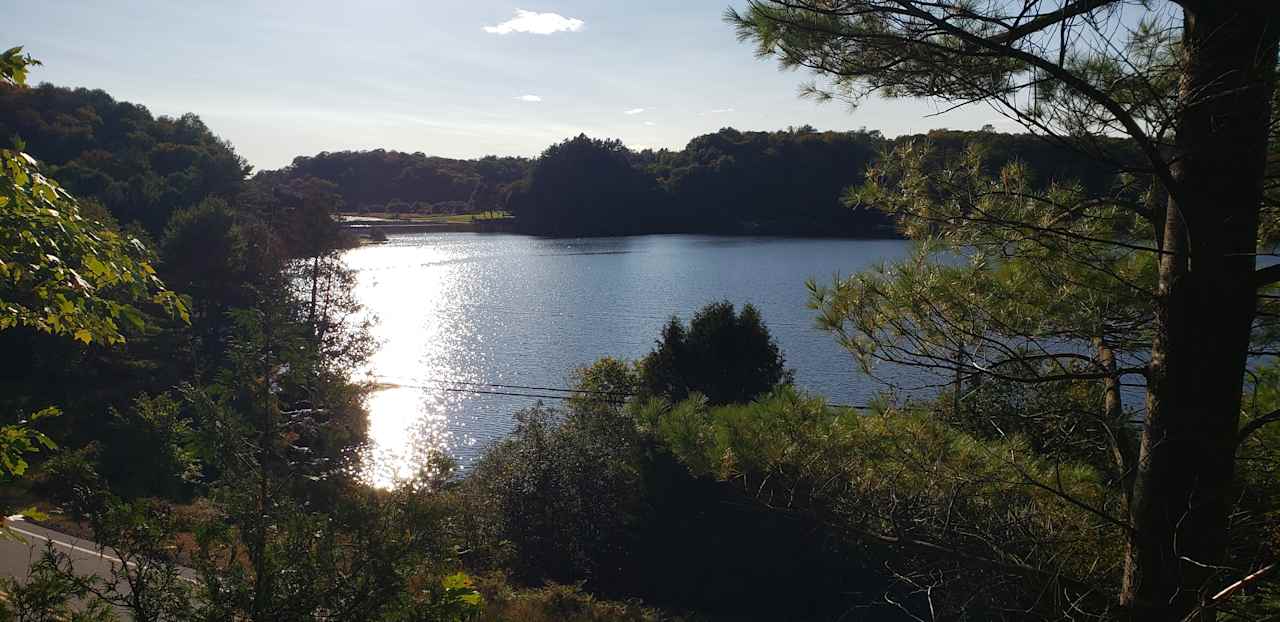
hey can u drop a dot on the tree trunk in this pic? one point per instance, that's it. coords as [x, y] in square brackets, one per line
[1120, 436]
[1206, 300]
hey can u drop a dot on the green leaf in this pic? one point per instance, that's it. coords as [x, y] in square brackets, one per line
[456, 580]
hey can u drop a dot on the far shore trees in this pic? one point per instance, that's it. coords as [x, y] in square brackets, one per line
[1167, 254]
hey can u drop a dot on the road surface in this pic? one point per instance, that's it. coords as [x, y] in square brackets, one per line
[17, 556]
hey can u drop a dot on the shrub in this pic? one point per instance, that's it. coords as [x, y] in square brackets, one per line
[729, 357]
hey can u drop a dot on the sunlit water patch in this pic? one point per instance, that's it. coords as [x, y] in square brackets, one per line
[463, 318]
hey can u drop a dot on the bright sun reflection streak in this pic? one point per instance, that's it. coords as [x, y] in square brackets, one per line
[410, 286]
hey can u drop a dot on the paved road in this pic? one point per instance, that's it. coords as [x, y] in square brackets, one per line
[86, 558]
[16, 557]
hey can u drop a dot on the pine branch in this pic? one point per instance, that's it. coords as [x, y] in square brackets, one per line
[1079, 7]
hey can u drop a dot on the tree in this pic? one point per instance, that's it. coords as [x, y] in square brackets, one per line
[586, 186]
[728, 356]
[1191, 85]
[139, 167]
[61, 273]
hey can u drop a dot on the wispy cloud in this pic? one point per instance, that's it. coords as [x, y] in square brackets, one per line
[650, 123]
[529, 98]
[633, 111]
[536, 23]
[719, 111]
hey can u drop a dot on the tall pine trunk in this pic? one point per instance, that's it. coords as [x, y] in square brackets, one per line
[1184, 486]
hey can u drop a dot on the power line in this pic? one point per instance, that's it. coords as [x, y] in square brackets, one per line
[618, 396]
[482, 392]
[525, 387]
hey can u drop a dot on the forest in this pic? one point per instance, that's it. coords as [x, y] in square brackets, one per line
[787, 182]
[1099, 297]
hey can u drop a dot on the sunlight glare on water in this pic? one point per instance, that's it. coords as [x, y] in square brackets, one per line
[459, 313]
[411, 291]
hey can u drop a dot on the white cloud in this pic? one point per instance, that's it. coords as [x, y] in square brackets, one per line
[529, 98]
[633, 111]
[650, 123]
[719, 111]
[536, 23]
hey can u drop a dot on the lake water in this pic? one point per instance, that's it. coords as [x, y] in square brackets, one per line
[459, 313]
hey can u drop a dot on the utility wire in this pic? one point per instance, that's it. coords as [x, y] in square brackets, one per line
[482, 392]
[618, 396]
[521, 386]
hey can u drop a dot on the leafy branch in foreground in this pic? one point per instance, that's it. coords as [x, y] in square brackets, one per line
[61, 273]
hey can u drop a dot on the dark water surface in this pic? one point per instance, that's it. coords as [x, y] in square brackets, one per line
[461, 312]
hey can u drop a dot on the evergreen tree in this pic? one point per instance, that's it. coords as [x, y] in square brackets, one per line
[727, 356]
[1167, 254]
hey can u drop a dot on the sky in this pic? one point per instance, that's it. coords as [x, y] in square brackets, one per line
[451, 78]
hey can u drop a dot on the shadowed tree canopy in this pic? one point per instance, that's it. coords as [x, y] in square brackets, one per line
[787, 182]
[140, 167]
[586, 186]
[1150, 280]
[61, 273]
[726, 355]
[380, 180]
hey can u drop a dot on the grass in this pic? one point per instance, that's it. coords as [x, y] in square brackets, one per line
[435, 218]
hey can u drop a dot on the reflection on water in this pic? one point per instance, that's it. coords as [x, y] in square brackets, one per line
[458, 313]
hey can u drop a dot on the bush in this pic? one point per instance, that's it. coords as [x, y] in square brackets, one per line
[990, 529]
[558, 603]
[727, 356]
[71, 479]
[154, 450]
[586, 495]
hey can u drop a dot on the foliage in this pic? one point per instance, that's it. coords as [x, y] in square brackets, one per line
[1256, 525]
[557, 603]
[726, 355]
[70, 478]
[586, 495]
[585, 186]
[13, 66]
[377, 180]
[62, 274]
[50, 593]
[140, 168]
[564, 491]
[786, 182]
[901, 478]
[148, 581]
[171, 466]
[377, 555]
[17, 440]
[1072, 286]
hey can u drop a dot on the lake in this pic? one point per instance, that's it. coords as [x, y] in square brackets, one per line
[470, 324]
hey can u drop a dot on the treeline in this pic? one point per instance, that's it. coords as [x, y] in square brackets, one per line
[789, 182]
[138, 167]
[396, 182]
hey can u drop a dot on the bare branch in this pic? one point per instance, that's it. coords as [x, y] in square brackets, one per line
[1079, 7]
[1257, 424]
